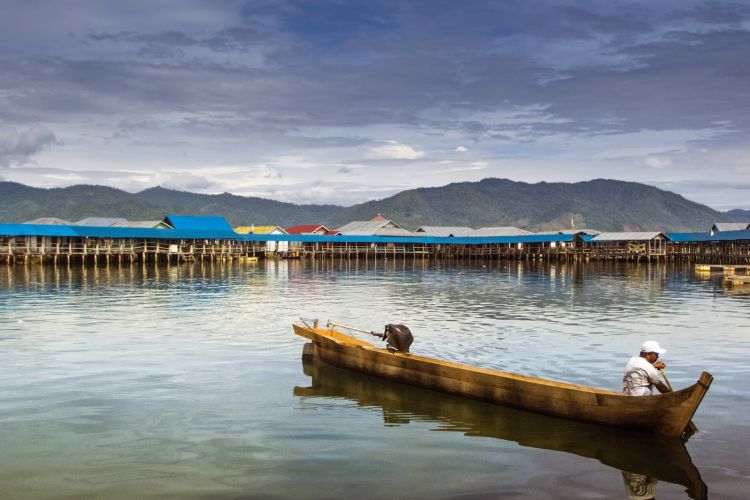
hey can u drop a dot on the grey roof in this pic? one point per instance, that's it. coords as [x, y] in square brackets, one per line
[443, 231]
[50, 221]
[587, 232]
[371, 227]
[98, 221]
[731, 226]
[141, 223]
[633, 236]
[590, 232]
[499, 231]
[393, 231]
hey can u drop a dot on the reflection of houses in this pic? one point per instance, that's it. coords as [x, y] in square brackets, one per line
[729, 226]
[634, 243]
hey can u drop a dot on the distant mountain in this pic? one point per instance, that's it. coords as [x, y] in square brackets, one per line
[238, 210]
[606, 205]
[20, 203]
[738, 215]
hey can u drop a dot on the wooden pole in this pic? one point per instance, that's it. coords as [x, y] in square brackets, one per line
[666, 380]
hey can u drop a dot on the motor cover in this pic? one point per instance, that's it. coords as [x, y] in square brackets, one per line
[398, 337]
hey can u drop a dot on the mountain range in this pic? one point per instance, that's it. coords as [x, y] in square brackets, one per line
[602, 204]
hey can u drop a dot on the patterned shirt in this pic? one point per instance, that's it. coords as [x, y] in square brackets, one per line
[640, 377]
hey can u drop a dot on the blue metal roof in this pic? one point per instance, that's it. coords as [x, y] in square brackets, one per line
[113, 232]
[186, 234]
[37, 230]
[198, 222]
[720, 236]
[229, 234]
[310, 238]
[155, 233]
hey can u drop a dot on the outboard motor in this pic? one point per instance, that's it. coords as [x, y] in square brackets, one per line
[398, 337]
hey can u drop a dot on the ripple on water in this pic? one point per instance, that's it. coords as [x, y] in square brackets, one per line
[182, 379]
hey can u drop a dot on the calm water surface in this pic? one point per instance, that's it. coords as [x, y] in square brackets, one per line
[186, 381]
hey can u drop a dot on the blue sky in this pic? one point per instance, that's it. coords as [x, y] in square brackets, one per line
[342, 102]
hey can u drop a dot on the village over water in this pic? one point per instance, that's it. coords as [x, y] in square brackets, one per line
[179, 238]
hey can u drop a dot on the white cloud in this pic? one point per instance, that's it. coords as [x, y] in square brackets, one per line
[393, 150]
[17, 146]
[473, 167]
[461, 149]
[657, 161]
[293, 161]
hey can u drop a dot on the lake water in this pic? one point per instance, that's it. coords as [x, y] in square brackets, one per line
[187, 382]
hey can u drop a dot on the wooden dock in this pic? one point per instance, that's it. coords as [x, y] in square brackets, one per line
[735, 280]
[727, 269]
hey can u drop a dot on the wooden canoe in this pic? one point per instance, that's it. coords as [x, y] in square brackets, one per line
[668, 414]
[667, 459]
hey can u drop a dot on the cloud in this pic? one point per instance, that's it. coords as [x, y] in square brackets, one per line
[393, 150]
[569, 87]
[184, 182]
[476, 166]
[18, 147]
[657, 161]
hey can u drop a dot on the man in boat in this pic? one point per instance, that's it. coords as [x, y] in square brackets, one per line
[641, 374]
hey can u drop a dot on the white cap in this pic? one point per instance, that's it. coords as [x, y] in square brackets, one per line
[652, 346]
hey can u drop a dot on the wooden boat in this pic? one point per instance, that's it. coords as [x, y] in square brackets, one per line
[667, 459]
[668, 414]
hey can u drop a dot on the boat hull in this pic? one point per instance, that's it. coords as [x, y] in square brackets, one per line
[667, 458]
[668, 414]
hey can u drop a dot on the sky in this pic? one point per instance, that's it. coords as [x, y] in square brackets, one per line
[347, 101]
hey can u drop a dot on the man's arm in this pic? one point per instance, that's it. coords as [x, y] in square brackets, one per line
[662, 387]
[653, 376]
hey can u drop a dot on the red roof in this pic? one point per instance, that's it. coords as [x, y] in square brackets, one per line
[306, 229]
[378, 217]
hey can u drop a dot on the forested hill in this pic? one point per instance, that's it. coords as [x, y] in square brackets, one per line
[738, 215]
[22, 203]
[606, 205]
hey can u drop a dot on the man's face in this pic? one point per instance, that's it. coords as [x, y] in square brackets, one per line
[652, 357]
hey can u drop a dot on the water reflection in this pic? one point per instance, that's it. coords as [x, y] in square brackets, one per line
[643, 458]
[639, 486]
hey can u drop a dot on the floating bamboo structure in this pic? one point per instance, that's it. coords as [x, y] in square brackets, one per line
[96, 250]
[54, 249]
